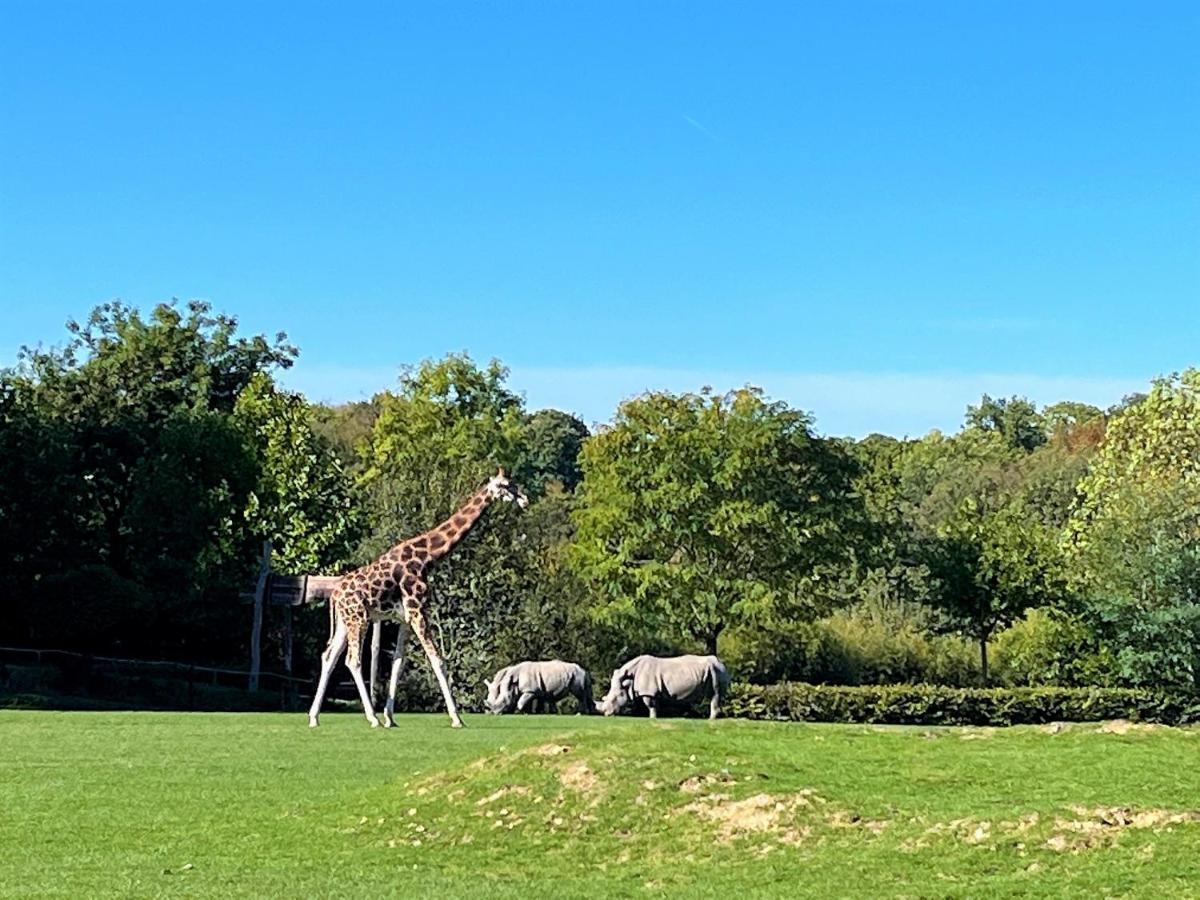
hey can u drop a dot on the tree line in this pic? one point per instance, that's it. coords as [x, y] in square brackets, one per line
[143, 462]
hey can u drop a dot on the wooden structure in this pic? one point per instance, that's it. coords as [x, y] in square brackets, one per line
[287, 591]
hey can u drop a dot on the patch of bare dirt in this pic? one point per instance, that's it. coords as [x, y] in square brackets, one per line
[761, 814]
[1124, 726]
[737, 818]
[980, 734]
[696, 783]
[551, 750]
[513, 789]
[580, 778]
[842, 819]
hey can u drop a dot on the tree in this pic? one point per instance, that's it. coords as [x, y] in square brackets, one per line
[1135, 536]
[436, 441]
[1016, 419]
[991, 565]
[303, 501]
[146, 471]
[699, 511]
[552, 442]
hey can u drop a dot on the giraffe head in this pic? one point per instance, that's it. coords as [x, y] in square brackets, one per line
[499, 487]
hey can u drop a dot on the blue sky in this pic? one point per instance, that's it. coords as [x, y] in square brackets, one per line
[876, 211]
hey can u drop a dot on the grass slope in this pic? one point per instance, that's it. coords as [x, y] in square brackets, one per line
[163, 804]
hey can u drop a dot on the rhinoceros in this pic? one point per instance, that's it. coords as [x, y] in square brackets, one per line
[515, 688]
[655, 679]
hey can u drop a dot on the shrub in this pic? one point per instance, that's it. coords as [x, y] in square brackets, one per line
[1045, 648]
[935, 705]
[850, 649]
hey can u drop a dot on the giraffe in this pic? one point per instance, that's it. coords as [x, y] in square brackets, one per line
[393, 588]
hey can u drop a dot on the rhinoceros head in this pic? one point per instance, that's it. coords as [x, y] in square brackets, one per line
[620, 692]
[501, 693]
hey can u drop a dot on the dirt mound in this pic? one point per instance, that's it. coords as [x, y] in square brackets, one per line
[1124, 726]
[766, 814]
[580, 778]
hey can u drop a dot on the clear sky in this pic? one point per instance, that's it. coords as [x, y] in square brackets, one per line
[874, 210]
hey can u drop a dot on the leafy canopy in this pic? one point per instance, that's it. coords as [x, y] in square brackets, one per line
[698, 511]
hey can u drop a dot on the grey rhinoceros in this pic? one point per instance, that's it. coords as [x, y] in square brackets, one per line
[515, 688]
[654, 679]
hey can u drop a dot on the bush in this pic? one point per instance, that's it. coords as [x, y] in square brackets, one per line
[1047, 648]
[935, 705]
[850, 649]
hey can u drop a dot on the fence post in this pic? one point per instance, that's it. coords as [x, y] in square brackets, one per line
[260, 589]
[289, 686]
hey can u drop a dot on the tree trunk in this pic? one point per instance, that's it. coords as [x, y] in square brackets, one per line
[710, 642]
[983, 665]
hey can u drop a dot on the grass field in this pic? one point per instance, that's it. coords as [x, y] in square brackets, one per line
[154, 804]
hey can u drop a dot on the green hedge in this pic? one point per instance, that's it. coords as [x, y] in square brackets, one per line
[935, 705]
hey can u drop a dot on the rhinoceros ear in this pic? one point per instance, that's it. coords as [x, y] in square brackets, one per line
[488, 683]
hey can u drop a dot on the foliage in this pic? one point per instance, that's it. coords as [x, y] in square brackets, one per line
[989, 566]
[550, 451]
[935, 705]
[1015, 419]
[849, 648]
[303, 501]
[1049, 647]
[346, 427]
[435, 441]
[504, 592]
[124, 449]
[1135, 538]
[700, 511]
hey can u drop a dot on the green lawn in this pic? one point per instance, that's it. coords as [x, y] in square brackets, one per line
[149, 804]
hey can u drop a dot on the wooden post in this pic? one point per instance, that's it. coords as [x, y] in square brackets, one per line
[260, 590]
[287, 639]
[289, 689]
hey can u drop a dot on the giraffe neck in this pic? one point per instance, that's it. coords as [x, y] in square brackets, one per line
[442, 539]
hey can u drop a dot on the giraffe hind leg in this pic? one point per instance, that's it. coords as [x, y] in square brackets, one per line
[394, 680]
[329, 659]
[354, 664]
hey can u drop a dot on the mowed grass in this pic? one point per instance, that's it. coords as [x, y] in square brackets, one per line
[257, 805]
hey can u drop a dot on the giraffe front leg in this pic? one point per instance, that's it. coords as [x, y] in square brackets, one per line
[416, 619]
[394, 680]
[333, 650]
[354, 664]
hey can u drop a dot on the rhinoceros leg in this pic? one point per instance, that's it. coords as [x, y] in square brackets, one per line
[526, 702]
[652, 705]
[552, 707]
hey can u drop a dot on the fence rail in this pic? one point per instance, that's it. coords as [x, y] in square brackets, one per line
[165, 665]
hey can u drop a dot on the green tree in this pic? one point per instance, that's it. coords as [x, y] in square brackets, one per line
[145, 469]
[989, 566]
[1135, 536]
[700, 511]
[436, 441]
[1016, 419]
[303, 501]
[552, 442]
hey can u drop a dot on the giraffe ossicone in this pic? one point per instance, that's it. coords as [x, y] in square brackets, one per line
[393, 589]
